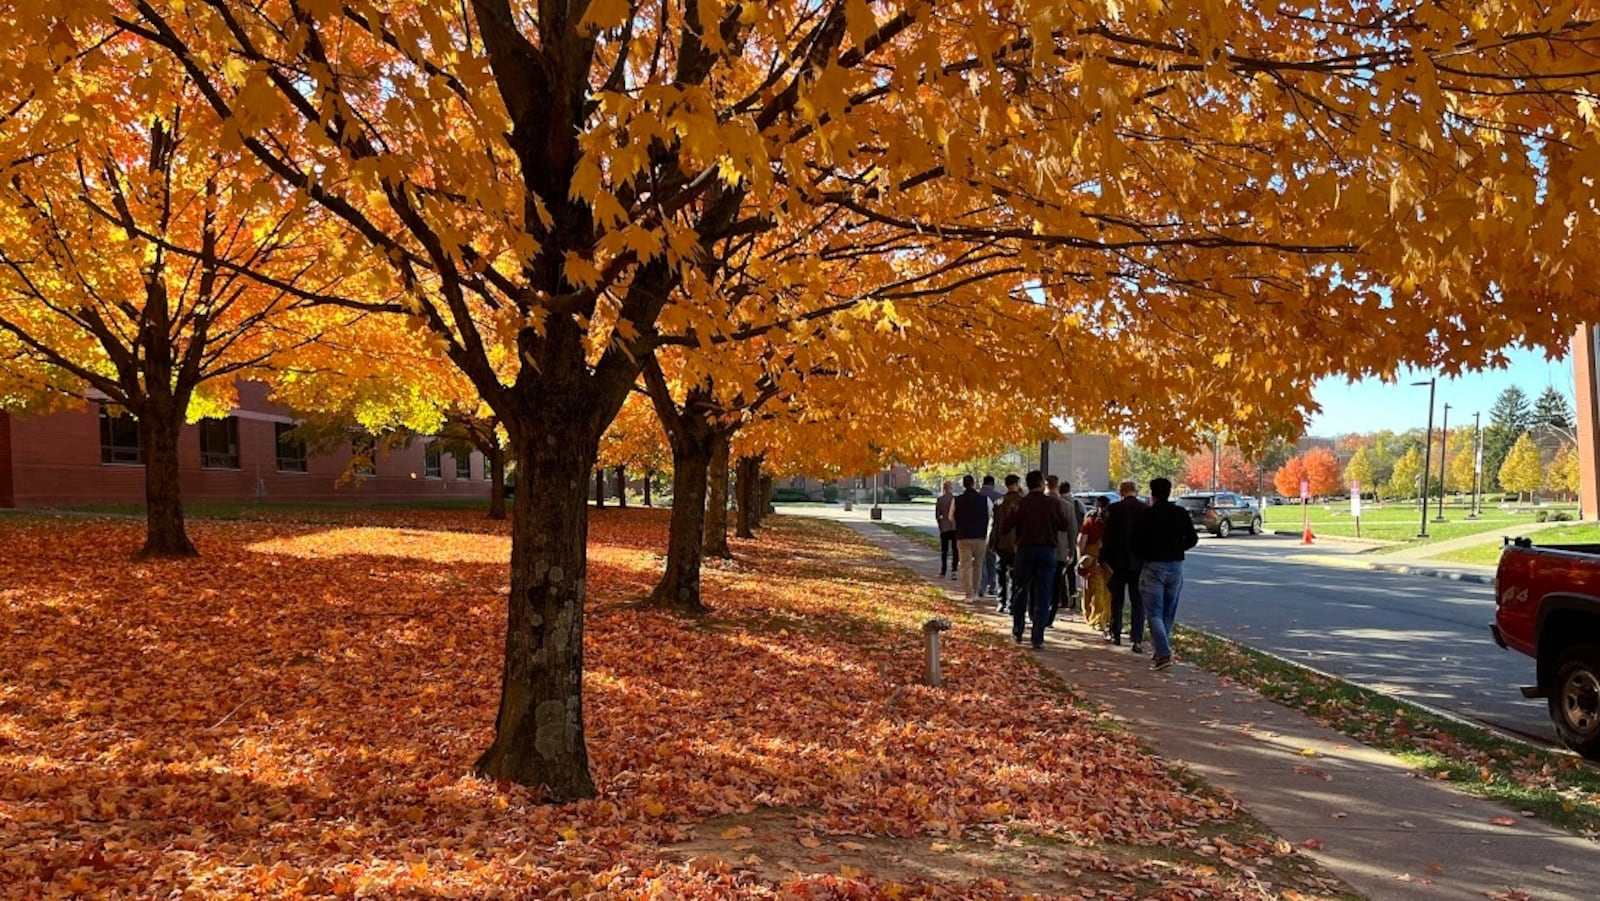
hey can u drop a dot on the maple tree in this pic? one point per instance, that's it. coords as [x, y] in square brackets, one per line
[1522, 470]
[1234, 472]
[1564, 475]
[1289, 476]
[1322, 471]
[544, 181]
[1361, 470]
[1405, 479]
[120, 282]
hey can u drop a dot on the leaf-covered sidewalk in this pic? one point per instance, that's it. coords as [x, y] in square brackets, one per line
[296, 713]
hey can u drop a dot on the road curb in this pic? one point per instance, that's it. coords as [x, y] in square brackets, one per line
[1453, 575]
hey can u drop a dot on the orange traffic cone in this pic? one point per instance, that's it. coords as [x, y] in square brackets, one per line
[1306, 538]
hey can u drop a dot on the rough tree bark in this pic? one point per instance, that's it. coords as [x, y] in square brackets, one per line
[716, 526]
[160, 423]
[539, 728]
[495, 458]
[745, 526]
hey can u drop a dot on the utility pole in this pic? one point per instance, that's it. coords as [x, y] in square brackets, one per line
[1444, 450]
[1427, 454]
[1477, 462]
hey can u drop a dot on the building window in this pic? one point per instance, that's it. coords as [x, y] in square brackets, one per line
[119, 437]
[463, 466]
[219, 443]
[364, 455]
[432, 456]
[291, 450]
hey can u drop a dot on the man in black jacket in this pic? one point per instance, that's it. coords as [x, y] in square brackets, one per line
[1037, 519]
[1159, 540]
[972, 530]
[1116, 550]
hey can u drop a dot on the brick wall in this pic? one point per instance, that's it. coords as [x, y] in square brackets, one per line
[5, 461]
[54, 460]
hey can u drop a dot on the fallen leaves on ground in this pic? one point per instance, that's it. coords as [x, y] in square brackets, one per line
[297, 712]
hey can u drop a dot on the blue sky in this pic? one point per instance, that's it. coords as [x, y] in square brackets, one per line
[1371, 405]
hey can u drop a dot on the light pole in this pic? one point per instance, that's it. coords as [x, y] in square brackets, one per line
[1477, 461]
[1216, 461]
[1444, 450]
[1427, 454]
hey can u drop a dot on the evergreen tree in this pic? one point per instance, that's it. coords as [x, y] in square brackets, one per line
[1509, 418]
[1552, 411]
[1522, 472]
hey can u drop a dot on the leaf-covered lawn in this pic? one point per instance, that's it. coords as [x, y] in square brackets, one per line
[296, 714]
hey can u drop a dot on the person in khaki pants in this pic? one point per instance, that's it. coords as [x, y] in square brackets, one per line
[972, 532]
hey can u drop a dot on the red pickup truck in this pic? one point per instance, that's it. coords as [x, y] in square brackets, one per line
[1547, 605]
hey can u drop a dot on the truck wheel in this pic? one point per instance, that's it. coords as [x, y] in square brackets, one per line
[1224, 528]
[1575, 700]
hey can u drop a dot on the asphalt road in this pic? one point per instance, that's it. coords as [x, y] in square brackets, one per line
[1416, 637]
[1420, 638]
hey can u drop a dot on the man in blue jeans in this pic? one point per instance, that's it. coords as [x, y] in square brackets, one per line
[1160, 537]
[1034, 525]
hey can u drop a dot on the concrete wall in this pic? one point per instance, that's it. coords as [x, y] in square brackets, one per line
[1083, 460]
[54, 460]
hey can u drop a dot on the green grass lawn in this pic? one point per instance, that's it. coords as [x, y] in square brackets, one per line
[1399, 521]
[1489, 554]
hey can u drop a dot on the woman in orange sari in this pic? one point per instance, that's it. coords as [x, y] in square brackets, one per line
[1096, 575]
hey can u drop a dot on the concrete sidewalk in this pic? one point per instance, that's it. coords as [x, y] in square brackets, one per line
[1386, 830]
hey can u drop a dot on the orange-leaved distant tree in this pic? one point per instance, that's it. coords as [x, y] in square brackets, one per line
[1322, 471]
[1234, 473]
[1289, 476]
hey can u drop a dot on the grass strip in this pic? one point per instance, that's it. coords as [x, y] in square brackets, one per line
[1557, 787]
[911, 533]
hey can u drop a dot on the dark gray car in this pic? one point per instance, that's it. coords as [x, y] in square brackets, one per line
[1221, 513]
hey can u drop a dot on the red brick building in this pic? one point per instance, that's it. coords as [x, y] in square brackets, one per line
[92, 456]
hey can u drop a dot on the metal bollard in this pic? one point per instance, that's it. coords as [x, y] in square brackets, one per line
[930, 635]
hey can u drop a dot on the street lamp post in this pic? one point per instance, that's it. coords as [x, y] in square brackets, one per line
[1477, 461]
[1444, 451]
[1427, 454]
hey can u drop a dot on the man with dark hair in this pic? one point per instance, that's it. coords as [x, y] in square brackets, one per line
[944, 512]
[1037, 519]
[1116, 550]
[986, 585]
[1159, 540]
[1004, 545]
[972, 532]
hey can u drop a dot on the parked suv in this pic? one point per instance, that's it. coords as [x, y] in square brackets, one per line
[1222, 513]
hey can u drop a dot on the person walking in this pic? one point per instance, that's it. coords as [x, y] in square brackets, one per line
[1160, 538]
[1003, 543]
[944, 512]
[986, 585]
[1092, 568]
[1037, 520]
[1116, 550]
[1066, 548]
[972, 531]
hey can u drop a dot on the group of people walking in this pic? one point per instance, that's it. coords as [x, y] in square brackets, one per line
[1032, 550]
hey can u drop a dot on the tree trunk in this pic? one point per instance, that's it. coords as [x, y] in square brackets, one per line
[649, 476]
[716, 526]
[622, 485]
[763, 503]
[679, 588]
[747, 497]
[539, 728]
[160, 423]
[599, 487]
[495, 459]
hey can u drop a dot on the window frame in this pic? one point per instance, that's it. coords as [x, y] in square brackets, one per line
[364, 444]
[463, 466]
[114, 426]
[229, 459]
[279, 429]
[432, 460]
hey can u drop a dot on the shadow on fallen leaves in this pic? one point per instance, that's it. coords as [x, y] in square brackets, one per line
[296, 713]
